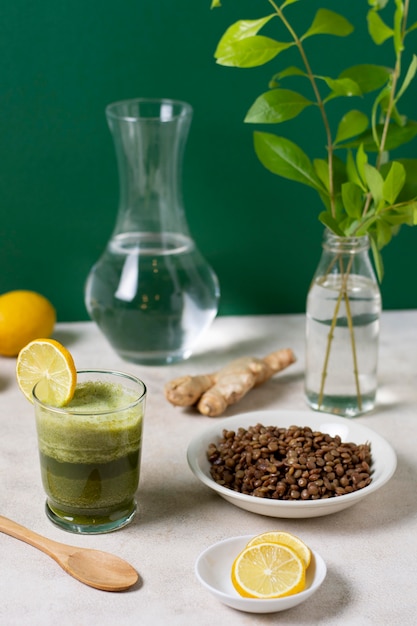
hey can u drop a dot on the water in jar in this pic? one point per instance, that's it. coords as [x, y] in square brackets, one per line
[152, 295]
[337, 388]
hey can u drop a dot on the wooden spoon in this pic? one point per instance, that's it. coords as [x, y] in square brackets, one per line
[92, 567]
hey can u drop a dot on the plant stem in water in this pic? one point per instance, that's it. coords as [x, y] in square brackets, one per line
[342, 295]
[353, 345]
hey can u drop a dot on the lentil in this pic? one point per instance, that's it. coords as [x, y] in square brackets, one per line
[292, 463]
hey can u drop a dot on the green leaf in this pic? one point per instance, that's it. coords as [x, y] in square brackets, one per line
[377, 28]
[352, 124]
[352, 197]
[394, 182]
[368, 77]
[411, 209]
[401, 120]
[326, 218]
[250, 52]
[215, 3]
[381, 98]
[398, 27]
[235, 50]
[339, 173]
[375, 184]
[405, 214]
[397, 136]
[290, 71]
[361, 162]
[328, 22]
[341, 87]
[409, 190]
[241, 30]
[397, 216]
[352, 228]
[321, 167]
[276, 106]
[411, 72]
[378, 4]
[284, 158]
[365, 224]
[383, 233]
[324, 197]
[352, 172]
[376, 255]
[322, 170]
[413, 212]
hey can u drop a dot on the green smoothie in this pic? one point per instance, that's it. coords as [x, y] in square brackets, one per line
[90, 453]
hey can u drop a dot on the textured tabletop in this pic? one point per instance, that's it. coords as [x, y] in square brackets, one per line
[370, 549]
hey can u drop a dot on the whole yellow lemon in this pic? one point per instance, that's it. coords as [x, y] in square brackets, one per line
[24, 316]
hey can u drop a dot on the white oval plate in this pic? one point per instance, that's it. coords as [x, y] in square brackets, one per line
[384, 461]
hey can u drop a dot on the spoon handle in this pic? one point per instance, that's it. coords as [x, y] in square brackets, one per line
[52, 548]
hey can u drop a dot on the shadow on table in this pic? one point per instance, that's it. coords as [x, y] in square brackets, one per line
[225, 351]
[276, 393]
[330, 601]
[393, 503]
[158, 502]
[387, 507]
[6, 381]
[68, 338]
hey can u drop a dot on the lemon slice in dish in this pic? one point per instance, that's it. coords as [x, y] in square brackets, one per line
[286, 539]
[268, 570]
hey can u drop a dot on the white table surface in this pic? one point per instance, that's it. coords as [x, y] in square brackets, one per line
[370, 549]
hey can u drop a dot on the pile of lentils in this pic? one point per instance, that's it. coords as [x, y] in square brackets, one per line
[292, 463]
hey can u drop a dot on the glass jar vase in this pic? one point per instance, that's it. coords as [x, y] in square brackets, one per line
[151, 293]
[342, 329]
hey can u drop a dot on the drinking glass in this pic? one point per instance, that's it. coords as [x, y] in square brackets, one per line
[90, 452]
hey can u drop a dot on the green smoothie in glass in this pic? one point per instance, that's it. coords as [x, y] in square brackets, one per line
[90, 452]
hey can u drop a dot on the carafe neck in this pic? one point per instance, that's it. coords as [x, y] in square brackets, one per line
[149, 139]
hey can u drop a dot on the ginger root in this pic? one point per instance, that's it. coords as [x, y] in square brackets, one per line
[213, 393]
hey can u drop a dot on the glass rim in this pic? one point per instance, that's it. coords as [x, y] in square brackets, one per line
[351, 244]
[112, 110]
[66, 410]
[330, 234]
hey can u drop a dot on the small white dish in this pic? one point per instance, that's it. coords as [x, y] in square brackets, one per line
[214, 566]
[384, 461]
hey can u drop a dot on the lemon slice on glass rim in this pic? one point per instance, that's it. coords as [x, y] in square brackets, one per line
[50, 366]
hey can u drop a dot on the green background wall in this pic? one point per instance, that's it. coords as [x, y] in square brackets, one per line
[62, 62]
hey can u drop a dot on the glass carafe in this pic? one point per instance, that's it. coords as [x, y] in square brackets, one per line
[151, 293]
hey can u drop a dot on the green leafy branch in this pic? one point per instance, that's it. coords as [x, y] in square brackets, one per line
[360, 195]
